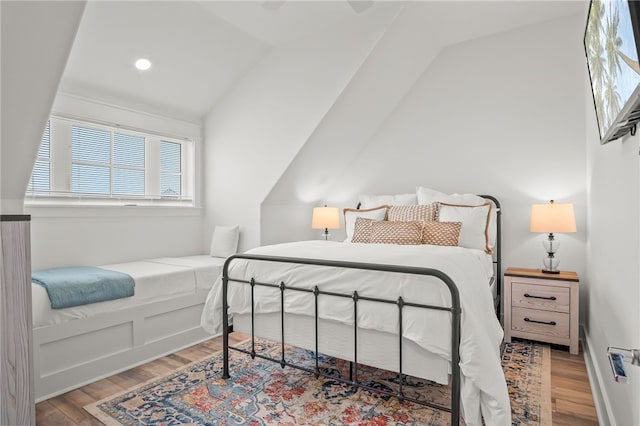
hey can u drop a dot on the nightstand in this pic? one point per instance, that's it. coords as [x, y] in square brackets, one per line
[543, 307]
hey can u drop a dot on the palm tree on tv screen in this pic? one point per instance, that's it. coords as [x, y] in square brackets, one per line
[612, 45]
[613, 42]
[630, 62]
[614, 56]
[595, 51]
[594, 46]
[611, 98]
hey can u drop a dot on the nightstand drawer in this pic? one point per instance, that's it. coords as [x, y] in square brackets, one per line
[536, 296]
[548, 323]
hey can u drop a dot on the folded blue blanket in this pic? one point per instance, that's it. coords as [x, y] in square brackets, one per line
[82, 285]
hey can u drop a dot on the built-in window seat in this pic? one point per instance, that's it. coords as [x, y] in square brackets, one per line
[77, 345]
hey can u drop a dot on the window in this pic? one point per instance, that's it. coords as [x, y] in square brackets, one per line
[93, 161]
[128, 164]
[41, 176]
[91, 154]
[170, 169]
[107, 163]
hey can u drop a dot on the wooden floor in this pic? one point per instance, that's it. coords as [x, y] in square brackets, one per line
[571, 399]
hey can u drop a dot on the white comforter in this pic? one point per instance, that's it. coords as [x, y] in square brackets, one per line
[484, 390]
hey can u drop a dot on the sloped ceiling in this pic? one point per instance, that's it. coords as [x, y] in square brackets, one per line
[36, 39]
[201, 49]
[278, 22]
[196, 56]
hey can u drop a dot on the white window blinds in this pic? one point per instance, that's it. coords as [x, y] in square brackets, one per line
[170, 169]
[91, 155]
[106, 162]
[86, 160]
[128, 164]
[40, 182]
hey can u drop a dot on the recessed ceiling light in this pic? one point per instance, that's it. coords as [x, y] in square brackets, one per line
[143, 64]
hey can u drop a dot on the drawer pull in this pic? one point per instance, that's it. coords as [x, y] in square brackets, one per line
[540, 322]
[540, 297]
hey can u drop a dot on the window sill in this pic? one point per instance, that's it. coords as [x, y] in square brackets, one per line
[42, 209]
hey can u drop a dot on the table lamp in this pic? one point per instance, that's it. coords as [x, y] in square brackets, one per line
[325, 218]
[550, 218]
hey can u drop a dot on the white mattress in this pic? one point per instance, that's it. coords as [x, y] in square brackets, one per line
[155, 280]
[375, 348]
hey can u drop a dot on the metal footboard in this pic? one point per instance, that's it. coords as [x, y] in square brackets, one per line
[455, 310]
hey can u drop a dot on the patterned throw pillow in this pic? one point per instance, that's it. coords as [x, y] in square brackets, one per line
[350, 216]
[390, 232]
[441, 233]
[362, 230]
[420, 213]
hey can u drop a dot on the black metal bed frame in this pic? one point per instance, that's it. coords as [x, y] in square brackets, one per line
[454, 309]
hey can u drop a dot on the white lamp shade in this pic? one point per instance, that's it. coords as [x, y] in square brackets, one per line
[325, 217]
[553, 217]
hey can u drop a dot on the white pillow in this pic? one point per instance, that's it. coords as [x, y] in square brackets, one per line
[350, 216]
[370, 201]
[224, 241]
[475, 223]
[428, 196]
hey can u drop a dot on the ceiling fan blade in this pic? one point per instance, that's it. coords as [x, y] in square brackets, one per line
[360, 6]
[273, 4]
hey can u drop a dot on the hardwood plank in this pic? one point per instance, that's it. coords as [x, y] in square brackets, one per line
[71, 403]
[140, 372]
[128, 379]
[157, 368]
[574, 395]
[101, 389]
[194, 353]
[572, 400]
[172, 363]
[563, 419]
[583, 411]
[48, 414]
[180, 359]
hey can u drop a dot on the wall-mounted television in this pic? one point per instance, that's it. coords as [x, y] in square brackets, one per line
[611, 42]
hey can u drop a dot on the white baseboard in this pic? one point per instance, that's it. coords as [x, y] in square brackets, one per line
[600, 400]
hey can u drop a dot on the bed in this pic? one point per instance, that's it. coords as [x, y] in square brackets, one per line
[337, 299]
[77, 345]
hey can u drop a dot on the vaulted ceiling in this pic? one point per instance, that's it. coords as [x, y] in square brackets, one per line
[201, 49]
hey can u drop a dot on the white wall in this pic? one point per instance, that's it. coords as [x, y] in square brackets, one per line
[105, 235]
[500, 115]
[384, 78]
[256, 130]
[64, 235]
[613, 266]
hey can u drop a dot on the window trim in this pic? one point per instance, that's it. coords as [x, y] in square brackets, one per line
[41, 159]
[61, 163]
[180, 174]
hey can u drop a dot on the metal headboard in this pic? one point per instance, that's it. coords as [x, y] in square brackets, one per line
[498, 252]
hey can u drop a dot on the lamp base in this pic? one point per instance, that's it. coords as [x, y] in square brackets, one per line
[550, 263]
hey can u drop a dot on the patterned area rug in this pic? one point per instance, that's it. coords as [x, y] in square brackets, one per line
[262, 393]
